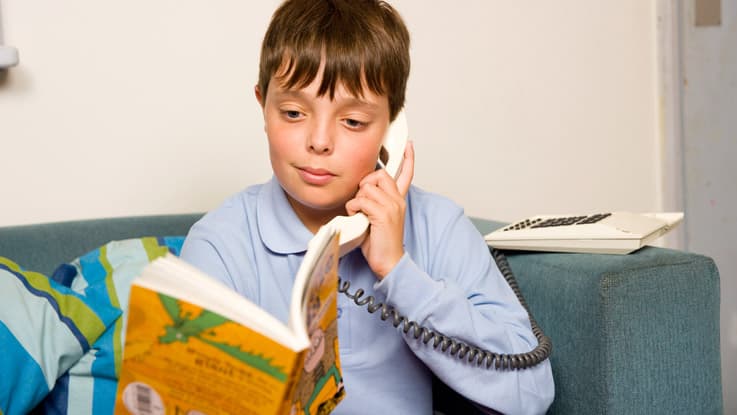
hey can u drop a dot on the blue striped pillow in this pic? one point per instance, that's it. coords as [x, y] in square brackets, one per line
[45, 328]
[105, 274]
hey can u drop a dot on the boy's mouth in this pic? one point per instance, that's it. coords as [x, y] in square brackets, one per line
[315, 176]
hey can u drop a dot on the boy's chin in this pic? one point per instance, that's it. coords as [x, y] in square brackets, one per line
[318, 206]
[328, 209]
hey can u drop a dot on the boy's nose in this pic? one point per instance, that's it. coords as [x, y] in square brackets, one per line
[320, 139]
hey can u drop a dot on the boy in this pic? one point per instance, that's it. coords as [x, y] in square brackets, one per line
[332, 76]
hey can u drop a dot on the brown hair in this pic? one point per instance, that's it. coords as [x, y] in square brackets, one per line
[362, 43]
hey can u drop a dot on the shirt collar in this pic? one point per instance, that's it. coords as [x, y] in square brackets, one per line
[279, 227]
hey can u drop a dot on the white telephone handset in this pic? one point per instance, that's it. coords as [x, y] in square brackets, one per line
[353, 229]
[391, 155]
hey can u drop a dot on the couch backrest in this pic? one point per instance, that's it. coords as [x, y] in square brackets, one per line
[43, 247]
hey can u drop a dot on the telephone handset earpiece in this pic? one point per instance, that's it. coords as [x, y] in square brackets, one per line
[353, 228]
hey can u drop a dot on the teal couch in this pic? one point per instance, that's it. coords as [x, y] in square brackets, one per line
[633, 334]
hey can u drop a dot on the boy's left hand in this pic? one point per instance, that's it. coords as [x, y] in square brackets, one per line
[382, 200]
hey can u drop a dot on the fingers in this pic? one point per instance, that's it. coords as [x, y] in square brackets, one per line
[370, 207]
[379, 178]
[378, 199]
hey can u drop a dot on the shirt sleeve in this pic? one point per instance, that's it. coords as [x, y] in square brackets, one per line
[205, 248]
[202, 254]
[464, 296]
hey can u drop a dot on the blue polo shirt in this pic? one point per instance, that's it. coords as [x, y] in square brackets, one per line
[446, 281]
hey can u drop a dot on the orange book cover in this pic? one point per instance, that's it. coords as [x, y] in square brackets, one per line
[193, 346]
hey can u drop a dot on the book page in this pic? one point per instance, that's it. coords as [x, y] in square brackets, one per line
[320, 384]
[180, 358]
[173, 276]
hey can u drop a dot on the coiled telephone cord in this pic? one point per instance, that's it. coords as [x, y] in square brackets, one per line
[455, 347]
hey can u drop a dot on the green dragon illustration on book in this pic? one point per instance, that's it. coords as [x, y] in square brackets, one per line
[186, 326]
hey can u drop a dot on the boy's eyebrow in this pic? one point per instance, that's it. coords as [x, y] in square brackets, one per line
[289, 93]
[344, 102]
[358, 102]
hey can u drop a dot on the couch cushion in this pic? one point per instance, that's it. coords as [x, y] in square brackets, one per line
[45, 328]
[89, 386]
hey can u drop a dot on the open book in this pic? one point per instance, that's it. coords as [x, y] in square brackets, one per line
[194, 346]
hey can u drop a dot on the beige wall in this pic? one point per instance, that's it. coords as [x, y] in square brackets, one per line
[144, 107]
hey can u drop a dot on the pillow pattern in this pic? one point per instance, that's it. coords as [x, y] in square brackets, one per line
[106, 274]
[45, 328]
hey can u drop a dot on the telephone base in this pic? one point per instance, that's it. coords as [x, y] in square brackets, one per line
[602, 233]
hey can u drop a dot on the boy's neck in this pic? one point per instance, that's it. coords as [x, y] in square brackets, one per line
[313, 219]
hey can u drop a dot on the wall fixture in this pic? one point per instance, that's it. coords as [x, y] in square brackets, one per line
[8, 54]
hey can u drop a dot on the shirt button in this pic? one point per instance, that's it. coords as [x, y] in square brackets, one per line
[340, 311]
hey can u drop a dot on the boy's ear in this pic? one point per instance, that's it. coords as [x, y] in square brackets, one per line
[259, 96]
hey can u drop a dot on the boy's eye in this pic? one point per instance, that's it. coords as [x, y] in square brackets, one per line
[291, 114]
[354, 123]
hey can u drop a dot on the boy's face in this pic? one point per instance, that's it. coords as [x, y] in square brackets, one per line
[320, 148]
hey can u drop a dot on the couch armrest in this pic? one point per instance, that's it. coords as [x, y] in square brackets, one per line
[631, 334]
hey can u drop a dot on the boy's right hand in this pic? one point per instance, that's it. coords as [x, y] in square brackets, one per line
[382, 200]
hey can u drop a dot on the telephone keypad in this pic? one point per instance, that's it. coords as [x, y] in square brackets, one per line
[558, 221]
